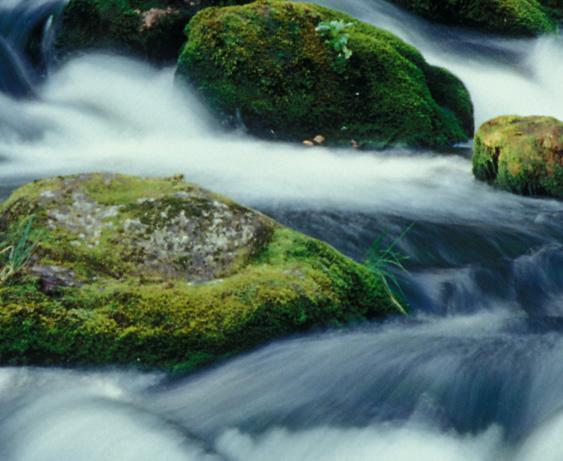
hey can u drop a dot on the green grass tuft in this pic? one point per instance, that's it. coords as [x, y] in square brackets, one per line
[383, 256]
[16, 250]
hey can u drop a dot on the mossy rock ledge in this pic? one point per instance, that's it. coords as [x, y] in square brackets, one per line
[265, 64]
[511, 17]
[521, 154]
[152, 29]
[160, 273]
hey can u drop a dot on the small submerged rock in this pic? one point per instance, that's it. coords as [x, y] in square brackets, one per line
[162, 273]
[521, 154]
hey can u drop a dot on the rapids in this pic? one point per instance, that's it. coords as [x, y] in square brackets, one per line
[474, 373]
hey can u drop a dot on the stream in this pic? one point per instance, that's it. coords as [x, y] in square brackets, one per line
[475, 372]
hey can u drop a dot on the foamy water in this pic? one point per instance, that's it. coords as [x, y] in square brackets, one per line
[474, 374]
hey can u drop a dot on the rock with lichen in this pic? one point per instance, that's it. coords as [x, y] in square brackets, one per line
[161, 273]
[521, 154]
[293, 70]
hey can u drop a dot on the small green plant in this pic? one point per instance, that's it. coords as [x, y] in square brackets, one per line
[336, 36]
[382, 258]
[16, 251]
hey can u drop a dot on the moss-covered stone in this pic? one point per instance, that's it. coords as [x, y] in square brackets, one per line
[267, 65]
[161, 273]
[150, 28]
[515, 17]
[521, 154]
[554, 9]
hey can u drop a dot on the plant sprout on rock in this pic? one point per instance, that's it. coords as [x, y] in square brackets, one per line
[335, 34]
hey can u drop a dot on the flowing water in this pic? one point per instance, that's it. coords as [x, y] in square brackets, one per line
[475, 373]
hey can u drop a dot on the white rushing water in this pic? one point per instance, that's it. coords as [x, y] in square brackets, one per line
[475, 375]
[302, 400]
[108, 113]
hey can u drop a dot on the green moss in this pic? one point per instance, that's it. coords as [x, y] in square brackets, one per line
[554, 8]
[516, 17]
[266, 64]
[450, 95]
[521, 154]
[125, 311]
[122, 25]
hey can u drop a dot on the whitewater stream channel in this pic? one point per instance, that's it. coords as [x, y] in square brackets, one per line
[474, 373]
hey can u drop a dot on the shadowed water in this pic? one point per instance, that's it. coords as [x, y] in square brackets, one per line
[25, 40]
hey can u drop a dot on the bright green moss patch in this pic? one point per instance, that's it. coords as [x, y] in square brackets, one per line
[267, 65]
[521, 154]
[111, 284]
[149, 28]
[516, 17]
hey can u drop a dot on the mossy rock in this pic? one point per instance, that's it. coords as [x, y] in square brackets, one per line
[521, 154]
[554, 8]
[161, 273]
[513, 17]
[152, 29]
[267, 65]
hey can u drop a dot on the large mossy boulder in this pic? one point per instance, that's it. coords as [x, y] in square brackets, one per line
[269, 65]
[162, 273]
[153, 29]
[521, 154]
[513, 17]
